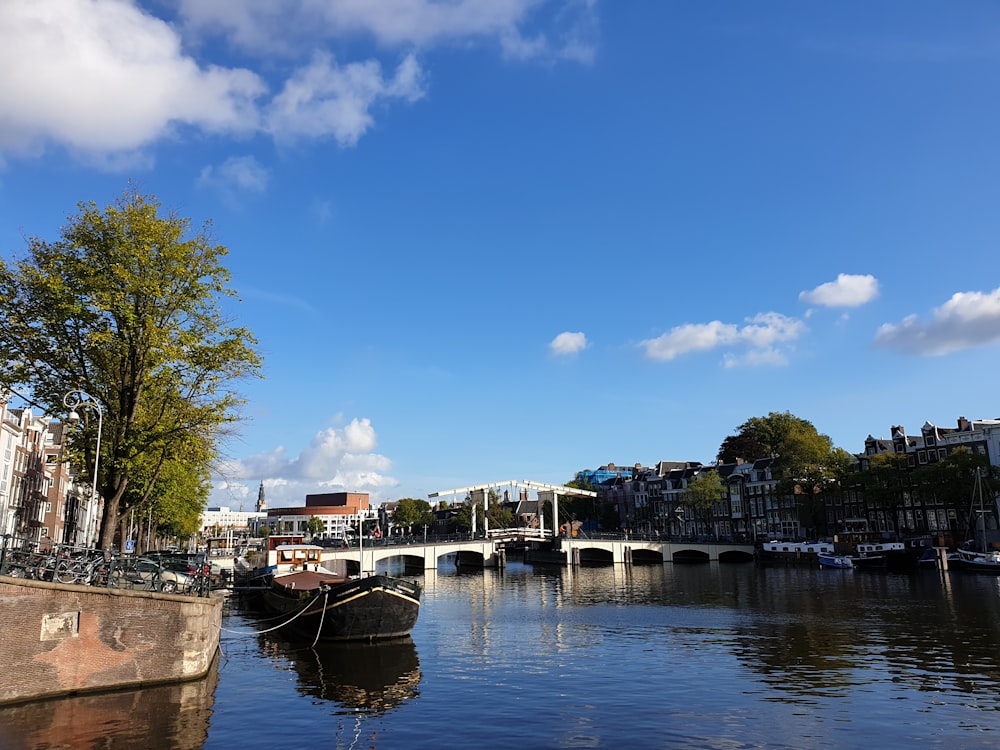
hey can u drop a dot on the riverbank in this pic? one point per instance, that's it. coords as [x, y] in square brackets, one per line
[60, 639]
[672, 656]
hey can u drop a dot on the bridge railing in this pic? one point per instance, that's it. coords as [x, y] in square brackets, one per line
[539, 534]
[519, 533]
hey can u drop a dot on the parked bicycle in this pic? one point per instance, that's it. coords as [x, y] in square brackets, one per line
[45, 561]
[84, 568]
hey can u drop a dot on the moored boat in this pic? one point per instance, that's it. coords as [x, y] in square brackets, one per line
[790, 553]
[327, 603]
[876, 554]
[977, 556]
[980, 562]
[831, 560]
[796, 548]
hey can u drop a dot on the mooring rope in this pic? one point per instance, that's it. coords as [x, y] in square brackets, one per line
[268, 630]
[326, 595]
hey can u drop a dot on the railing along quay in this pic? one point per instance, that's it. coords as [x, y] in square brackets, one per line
[68, 564]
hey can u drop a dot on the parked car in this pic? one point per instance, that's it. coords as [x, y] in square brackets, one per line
[332, 542]
[197, 560]
[149, 574]
[182, 566]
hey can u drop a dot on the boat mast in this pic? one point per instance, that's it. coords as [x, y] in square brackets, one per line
[982, 511]
[361, 545]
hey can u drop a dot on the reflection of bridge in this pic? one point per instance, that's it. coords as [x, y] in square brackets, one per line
[491, 552]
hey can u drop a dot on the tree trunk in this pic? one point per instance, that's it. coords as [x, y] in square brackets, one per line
[109, 525]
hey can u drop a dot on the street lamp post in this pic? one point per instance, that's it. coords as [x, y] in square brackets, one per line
[79, 399]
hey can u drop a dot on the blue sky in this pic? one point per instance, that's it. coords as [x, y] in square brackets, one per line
[483, 240]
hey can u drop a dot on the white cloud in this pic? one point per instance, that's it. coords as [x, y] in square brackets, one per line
[568, 342]
[759, 334]
[106, 79]
[335, 459]
[756, 358]
[255, 25]
[967, 320]
[350, 446]
[101, 76]
[324, 98]
[236, 175]
[849, 290]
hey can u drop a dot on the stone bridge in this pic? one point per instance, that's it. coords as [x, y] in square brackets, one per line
[644, 551]
[491, 552]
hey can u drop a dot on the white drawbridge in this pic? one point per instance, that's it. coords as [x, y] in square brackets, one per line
[480, 493]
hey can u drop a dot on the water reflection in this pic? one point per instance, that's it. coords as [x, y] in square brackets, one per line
[372, 677]
[177, 715]
[805, 635]
[817, 634]
[671, 656]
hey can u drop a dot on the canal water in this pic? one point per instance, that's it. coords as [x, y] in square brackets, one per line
[674, 656]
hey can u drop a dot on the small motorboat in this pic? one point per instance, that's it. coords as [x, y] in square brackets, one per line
[831, 560]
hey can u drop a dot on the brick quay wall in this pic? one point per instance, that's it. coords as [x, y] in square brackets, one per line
[59, 639]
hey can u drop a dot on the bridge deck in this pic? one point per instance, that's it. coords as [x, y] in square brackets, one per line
[573, 551]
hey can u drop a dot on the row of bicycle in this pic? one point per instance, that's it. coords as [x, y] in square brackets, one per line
[89, 567]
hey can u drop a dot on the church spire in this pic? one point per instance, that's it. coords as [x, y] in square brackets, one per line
[261, 500]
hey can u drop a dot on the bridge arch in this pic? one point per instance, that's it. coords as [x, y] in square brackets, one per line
[468, 558]
[595, 556]
[691, 556]
[736, 556]
[647, 557]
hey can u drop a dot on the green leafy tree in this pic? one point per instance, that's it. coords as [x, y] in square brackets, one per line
[793, 441]
[580, 508]
[952, 483]
[886, 483]
[172, 493]
[702, 493]
[125, 306]
[580, 483]
[315, 525]
[500, 517]
[177, 499]
[807, 464]
[462, 520]
[413, 514]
